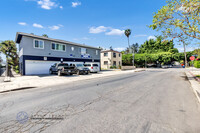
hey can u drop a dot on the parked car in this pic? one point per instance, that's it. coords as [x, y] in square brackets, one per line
[63, 68]
[81, 69]
[167, 66]
[93, 67]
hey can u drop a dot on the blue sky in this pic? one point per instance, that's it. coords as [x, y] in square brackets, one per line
[91, 22]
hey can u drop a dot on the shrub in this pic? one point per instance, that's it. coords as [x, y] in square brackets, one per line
[197, 64]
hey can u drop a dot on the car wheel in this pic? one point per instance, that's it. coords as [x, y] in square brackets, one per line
[78, 72]
[50, 72]
[59, 73]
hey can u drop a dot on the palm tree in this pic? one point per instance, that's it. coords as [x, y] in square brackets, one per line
[128, 33]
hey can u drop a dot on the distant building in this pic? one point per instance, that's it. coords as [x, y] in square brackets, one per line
[38, 53]
[110, 58]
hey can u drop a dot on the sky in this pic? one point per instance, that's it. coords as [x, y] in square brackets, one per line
[91, 22]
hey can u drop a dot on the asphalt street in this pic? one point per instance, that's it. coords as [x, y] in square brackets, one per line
[152, 101]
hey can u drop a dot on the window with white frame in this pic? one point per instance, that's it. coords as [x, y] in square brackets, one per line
[38, 44]
[58, 47]
[83, 51]
[105, 54]
[97, 52]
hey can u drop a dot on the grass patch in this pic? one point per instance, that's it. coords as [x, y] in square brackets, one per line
[198, 76]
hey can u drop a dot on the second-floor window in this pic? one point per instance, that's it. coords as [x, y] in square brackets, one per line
[58, 47]
[39, 44]
[119, 54]
[114, 55]
[105, 54]
[83, 51]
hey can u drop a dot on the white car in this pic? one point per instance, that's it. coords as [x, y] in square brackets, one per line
[93, 67]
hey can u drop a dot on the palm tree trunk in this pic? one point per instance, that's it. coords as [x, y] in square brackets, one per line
[128, 46]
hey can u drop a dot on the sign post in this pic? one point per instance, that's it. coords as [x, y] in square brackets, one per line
[192, 58]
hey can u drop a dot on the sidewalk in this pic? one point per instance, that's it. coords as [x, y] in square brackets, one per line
[194, 83]
[50, 80]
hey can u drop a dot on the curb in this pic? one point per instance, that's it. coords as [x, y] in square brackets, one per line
[198, 79]
[195, 84]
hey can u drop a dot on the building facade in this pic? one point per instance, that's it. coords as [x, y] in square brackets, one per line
[38, 53]
[110, 58]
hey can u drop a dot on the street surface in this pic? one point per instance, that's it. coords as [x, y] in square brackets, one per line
[152, 101]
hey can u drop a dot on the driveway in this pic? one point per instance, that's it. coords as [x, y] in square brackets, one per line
[154, 101]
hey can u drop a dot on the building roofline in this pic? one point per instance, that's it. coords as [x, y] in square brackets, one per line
[20, 34]
[110, 51]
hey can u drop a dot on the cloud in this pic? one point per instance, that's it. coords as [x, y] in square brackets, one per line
[46, 4]
[140, 35]
[37, 25]
[96, 30]
[55, 27]
[61, 7]
[151, 37]
[107, 30]
[115, 32]
[120, 49]
[75, 4]
[22, 23]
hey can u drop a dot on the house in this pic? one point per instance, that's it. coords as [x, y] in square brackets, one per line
[110, 58]
[38, 53]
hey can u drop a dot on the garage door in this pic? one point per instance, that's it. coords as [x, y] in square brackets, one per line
[37, 67]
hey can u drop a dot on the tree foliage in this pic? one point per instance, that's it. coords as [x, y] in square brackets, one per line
[178, 17]
[9, 48]
[158, 45]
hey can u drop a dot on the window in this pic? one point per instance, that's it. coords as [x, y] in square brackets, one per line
[83, 51]
[39, 44]
[114, 63]
[79, 65]
[119, 63]
[97, 52]
[105, 62]
[95, 65]
[72, 48]
[87, 65]
[58, 47]
[119, 54]
[105, 54]
[114, 55]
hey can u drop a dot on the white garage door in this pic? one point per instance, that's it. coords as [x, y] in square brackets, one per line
[37, 67]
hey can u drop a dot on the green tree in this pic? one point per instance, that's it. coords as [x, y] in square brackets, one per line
[156, 46]
[127, 32]
[9, 48]
[179, 17]
[45, 35]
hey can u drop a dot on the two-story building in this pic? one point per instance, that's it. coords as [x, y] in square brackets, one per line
[38, 53]
[110, 58]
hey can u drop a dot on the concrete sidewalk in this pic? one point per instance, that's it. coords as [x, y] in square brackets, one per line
[50, 80]
[194, 83]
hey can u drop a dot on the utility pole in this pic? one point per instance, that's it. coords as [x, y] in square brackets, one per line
[133, 56]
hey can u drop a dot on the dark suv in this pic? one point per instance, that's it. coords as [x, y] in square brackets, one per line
[81, 69]
[63, 68]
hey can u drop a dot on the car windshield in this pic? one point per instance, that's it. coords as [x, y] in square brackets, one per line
[79, 65]
[63, 64]
[95, 64]
[87, 64]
